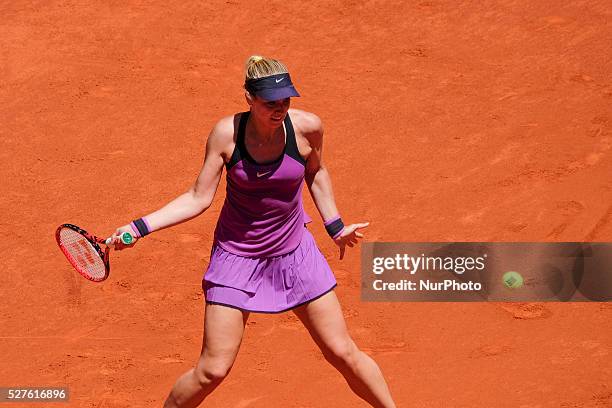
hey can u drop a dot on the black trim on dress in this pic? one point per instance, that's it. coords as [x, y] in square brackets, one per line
[240, 151]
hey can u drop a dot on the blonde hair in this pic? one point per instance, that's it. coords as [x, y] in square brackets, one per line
[259, 67]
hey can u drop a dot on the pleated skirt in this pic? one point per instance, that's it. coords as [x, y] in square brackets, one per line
[268, 284]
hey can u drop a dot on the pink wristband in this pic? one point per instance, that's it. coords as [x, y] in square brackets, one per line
[334, 226]
[339, 233]
[141, 227]
[326, 223]
[136, 232]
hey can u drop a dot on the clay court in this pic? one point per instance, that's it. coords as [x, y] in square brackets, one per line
[445, 121]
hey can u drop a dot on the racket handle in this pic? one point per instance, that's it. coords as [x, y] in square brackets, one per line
[126, 238]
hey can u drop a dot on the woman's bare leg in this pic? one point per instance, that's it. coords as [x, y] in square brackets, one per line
[223, 329]
[324, 320]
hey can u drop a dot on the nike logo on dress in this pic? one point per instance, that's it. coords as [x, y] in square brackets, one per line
[278, 80]
[263, 174]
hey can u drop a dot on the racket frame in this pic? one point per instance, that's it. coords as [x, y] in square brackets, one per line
[94, 241]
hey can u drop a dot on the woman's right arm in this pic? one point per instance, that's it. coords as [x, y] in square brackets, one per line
[200, 195]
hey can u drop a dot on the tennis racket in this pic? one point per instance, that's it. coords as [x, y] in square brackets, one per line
[84, 253]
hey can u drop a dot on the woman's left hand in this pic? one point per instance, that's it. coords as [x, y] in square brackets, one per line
[349, 236]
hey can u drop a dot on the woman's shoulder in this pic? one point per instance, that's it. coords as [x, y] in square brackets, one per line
[226, 126]
[222, 136]
[305, 122]
[224, 131]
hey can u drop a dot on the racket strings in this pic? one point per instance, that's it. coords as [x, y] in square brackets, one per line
[82, 254]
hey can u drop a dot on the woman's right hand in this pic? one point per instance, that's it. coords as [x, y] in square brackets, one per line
[116, 240]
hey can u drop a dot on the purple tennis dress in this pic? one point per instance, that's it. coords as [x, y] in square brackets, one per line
[263, 258]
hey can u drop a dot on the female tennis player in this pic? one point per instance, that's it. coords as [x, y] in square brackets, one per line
[263, 258]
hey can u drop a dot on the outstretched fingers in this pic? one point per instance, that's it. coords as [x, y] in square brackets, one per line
[361, 225]
[350, 237]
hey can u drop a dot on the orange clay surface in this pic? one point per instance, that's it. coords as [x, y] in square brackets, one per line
[445, 121]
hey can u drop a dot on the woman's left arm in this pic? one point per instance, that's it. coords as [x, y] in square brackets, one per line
[320, 187]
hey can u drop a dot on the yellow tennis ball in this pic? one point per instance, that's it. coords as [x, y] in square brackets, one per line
[513, 280]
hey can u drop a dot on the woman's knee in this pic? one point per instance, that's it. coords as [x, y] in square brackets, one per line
[341, 351]
[212, 372]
